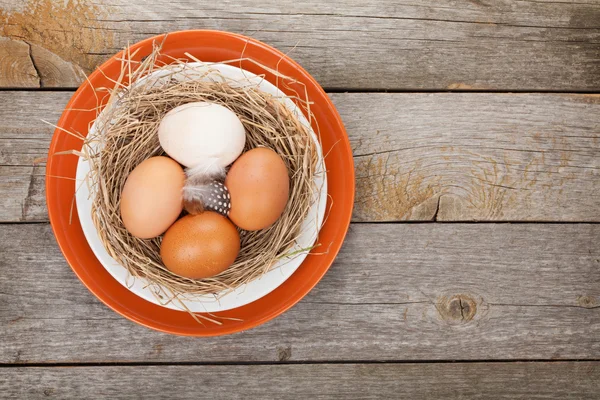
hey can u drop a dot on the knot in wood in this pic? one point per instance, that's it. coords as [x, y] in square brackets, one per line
[459, 308]
[587, 301]
[284, 353]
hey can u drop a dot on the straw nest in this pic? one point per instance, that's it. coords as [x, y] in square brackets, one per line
[126, 134]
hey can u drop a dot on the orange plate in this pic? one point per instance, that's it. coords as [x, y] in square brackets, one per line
[207, 46]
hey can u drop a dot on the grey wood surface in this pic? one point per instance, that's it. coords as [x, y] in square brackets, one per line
[448, 156]
[449, 44]
[561, 380]
[396, 292]
[482, 310]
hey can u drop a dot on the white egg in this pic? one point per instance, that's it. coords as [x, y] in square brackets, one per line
[202, 135]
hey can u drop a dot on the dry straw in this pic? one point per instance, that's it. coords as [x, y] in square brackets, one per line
[125, 134]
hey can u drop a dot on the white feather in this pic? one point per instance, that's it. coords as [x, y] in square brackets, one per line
[210, 169]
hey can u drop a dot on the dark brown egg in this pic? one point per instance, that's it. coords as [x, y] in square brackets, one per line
[200, 246]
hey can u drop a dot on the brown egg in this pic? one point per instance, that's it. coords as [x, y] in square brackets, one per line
[259, 186]
[151, 199]
[199, 246]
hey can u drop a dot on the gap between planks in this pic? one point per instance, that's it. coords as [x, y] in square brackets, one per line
[305, 362]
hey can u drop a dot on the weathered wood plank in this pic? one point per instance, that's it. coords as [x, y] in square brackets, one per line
[23, 193]
[506, 45]
[448, 156]
[556, 380]
[396, 292]
[475, 157]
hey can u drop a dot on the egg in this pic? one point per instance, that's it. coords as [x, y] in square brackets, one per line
[203, 135]
[200, 246]
[151, 199]
[259, 187]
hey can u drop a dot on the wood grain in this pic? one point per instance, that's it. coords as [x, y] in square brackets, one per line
[559, 380]
[16, 67]
[53, 71]
[25, 65]
[395, 292]
[442, 156]
[450, 44]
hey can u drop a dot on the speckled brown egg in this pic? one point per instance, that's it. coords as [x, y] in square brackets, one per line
[259, 186]
[200, 246]
[151, 199]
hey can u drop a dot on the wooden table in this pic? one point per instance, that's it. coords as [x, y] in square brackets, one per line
[472, 266]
